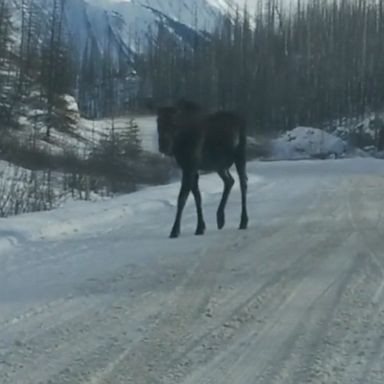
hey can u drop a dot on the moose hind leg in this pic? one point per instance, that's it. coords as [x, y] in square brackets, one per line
[200, 229]
[240, 167]
[228, 184]
[185, 188]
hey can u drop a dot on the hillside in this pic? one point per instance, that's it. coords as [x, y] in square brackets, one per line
[81, 159]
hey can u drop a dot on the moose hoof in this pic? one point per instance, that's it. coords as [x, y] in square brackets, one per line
[220, 220]
[243, 225]
[200, 231]
[174, 234]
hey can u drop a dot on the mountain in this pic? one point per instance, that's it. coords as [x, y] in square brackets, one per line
[123, 26]
[100, 39]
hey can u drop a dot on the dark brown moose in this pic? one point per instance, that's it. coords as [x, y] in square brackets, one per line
[204, 141]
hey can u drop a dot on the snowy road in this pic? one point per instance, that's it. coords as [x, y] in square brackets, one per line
[97, 293]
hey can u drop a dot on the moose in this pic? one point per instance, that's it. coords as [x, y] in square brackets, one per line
[203, 141]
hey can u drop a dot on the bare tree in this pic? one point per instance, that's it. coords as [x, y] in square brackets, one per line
[314, 63]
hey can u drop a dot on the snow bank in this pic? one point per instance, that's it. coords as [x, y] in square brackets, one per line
[307, 143]
[367, 134]
[87, 217]
[23, 190]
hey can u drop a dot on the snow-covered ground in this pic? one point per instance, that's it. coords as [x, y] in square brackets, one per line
[93, 131]
[87, 133]
[95, 292]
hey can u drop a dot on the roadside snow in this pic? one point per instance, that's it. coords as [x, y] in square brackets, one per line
[93, 216]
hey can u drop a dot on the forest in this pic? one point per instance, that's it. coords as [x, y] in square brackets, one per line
[312, 63]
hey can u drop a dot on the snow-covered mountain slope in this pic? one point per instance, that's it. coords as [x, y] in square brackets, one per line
[123, 26]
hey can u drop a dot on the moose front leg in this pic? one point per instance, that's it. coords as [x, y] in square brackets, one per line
[241, 170]
[186, 184]
[228, 184]
[200, 229]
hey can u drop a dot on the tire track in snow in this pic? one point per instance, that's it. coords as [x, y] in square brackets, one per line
[63, 346]
[227, 323]
[243, 370]
[296, 356]
[366, 215]
[181, 310]
[346, 349]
